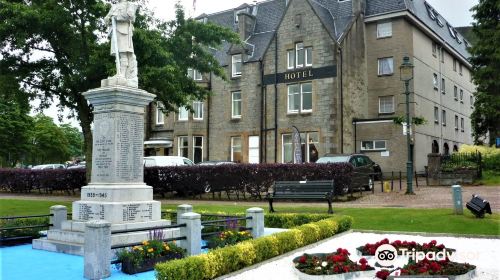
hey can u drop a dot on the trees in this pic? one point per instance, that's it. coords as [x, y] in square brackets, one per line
[57, 49]
[486, 64]
[48, 142]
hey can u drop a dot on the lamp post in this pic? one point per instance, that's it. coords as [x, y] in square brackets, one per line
[406, 75]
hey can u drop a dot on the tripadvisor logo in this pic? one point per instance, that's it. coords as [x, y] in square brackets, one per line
[386, 255]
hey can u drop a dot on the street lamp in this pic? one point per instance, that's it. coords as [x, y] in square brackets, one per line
[406, 75]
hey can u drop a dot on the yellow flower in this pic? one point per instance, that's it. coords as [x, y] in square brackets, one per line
[166, 247]
[145, 243]
[150, 250]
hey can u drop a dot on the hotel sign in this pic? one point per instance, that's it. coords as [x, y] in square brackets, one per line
[301, 75]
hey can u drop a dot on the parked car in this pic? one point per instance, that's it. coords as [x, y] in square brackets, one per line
[364, 168]
[167, 161]
[80, 165]
[215, 162]
[49, 166]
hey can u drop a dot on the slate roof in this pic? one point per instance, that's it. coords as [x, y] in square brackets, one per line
[335, 16]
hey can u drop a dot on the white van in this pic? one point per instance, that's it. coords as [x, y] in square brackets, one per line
[166, 161]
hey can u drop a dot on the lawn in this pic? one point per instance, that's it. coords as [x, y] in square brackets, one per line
[385, 219]
[490, 178]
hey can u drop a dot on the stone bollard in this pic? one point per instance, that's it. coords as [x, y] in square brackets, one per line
[192, 231]
[257, 221]
[458, 206]
[59, 214]
[183, 209]
[97, 250]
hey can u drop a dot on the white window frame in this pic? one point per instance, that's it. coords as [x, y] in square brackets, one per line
[380, 104]
[197, 147]
[374, 145]
[160, 117]
[198, 110]
[233, 102]
[236, 59]
[194, 74]
[183, 114]
[386, 33]
[301, 98]
[253, 149]
[298, 48]
[308, 55]
[233, 147]
[391, 59]
[290, 56]
[180, 147]
[283, 147]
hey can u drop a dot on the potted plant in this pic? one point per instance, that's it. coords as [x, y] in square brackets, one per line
[143, 257]
[336, 265]
[228, 237]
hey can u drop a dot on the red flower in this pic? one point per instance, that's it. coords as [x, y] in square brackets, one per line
[435, 267]
[383, 274]
[372, 251]
[338, 258]
[404, 272]
[363, 261]
[422, 270]
[433, 242]
[346, 269]
[303, 259]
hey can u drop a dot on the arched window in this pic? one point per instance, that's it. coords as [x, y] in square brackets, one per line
[446, 149]
[435, 147]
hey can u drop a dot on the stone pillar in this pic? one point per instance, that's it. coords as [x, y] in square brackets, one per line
[257, 221]
[192, 231]
[458, 205]
[59, 214]
[183, 209]
[433, 169]
[97, 250]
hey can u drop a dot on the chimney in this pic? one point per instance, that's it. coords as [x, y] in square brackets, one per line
[246, 24]
[358, 6]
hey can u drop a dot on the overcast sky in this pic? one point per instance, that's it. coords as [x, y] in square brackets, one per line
[456, 12]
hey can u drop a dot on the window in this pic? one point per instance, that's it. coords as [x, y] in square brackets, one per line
[443, 86]
[456, 122]
[287, 148]
[384, 29]
[471, 101]
[183, 146]
[290, 59]
[435, 80]
[455, 64]
[183, 114]
[198, 110]
[452, 31]
[386, 104]
[442, 54]
[236, 65]
[455, 93]
[462, 124]
[194, 74]
[309, 147]
[434, 49]
[443, 117]
[160, 118]
[300, 98]
[236, 154]
[197, 149]
[376, 145]
[436, 115]
[460, 68]
[253, 149]
[461, 96]
[236, 105]
[385, 66]
[309, 56]
[300, 54]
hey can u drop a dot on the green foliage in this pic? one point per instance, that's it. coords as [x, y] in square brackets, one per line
[34, 232]
[225, 260]
[75, 140]
[229, 237]
[486, 64]
[49, 143]
[150, 250]
[284, 220]
[490, 156]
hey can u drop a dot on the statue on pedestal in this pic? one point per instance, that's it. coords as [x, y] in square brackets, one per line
[121, 19]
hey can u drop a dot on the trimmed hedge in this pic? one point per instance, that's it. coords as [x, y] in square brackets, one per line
[225, 260]
[47, 181]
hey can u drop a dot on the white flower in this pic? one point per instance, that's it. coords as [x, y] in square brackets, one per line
[318, 268]
[324, 264]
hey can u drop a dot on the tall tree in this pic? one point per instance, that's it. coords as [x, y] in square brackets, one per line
[49, 143]
[486, 63]
[75, 140]
[58, 48]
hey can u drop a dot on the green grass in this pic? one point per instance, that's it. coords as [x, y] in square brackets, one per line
[490, 178]
[384, 219]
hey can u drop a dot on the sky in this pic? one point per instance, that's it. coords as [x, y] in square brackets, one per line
[457, 12]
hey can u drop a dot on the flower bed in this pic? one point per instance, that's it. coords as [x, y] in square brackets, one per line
[144, 257]
[227, 238]
[427, 268]
[336, 265]
[369, 248]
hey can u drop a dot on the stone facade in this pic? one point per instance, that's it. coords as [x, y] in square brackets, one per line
[347, 88]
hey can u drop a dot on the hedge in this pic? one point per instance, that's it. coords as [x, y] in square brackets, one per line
[225, 260]
[253, 179]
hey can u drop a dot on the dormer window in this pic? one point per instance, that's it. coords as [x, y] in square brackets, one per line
[236, 13]
[236, 63]
[194, 74]
[452, 32]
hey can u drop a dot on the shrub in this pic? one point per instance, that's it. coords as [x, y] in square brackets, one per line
[292, 220]
[225, 260]
[228, 237]
[47, 181]
[29, 232]
[490, 155]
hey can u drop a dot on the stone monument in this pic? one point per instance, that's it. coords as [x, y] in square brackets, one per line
[117, 192]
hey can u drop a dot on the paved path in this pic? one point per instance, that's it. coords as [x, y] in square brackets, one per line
[425, 197]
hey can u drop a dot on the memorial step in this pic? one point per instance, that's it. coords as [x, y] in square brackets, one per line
[58, 246]
[80, 225]
[66, 236]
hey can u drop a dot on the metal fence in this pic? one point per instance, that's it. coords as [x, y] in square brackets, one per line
[457, 162]
[18, 229]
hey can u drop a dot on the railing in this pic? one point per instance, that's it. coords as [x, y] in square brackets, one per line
[396, 178]
[223, 224]
[13, 228]
[462, 161]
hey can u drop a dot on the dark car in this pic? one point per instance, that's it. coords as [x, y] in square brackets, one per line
[364, 168]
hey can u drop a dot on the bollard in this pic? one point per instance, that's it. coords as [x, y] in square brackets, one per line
[192, 232]
[183, 209]
[458, 206]
[257, 221]
[97, 250]
[59, 214]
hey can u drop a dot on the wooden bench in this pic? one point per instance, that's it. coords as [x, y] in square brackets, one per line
[305, 190]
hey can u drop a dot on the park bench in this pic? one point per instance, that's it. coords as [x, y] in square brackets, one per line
[302, 190]
[478, 206]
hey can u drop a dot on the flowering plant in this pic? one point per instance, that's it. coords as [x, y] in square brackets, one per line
[443, 267]
[327, 264]
[369, 248]
[229, 237]
[149, 250]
